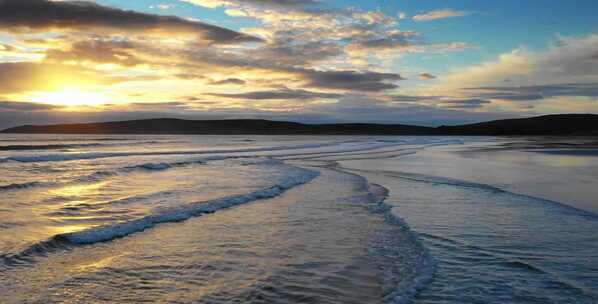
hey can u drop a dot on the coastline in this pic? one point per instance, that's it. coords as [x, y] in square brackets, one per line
[565, 178]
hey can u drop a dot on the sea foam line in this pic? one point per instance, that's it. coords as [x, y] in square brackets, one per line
[100, 175]
[96, 155]
[353, 146]
[439, 180]
[158, 166]
[426, 265]
[181, 213]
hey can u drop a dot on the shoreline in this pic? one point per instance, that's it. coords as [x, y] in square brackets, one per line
[528, 173]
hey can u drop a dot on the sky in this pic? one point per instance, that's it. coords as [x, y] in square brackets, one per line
[425, 62]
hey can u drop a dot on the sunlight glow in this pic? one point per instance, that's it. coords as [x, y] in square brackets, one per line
[70, 97]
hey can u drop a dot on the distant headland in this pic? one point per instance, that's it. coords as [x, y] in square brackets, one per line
[559, 124]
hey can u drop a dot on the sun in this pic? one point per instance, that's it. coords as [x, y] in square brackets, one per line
[70, 97]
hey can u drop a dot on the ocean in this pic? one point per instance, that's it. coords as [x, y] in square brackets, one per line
[298, 219]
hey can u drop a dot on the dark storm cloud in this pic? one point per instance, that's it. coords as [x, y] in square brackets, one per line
[25, 106]
[278, 94]
[41, 15]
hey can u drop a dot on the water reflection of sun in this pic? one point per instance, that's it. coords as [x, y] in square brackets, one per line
[78, 190]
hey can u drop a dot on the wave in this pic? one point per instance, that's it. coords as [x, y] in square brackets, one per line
[20, 186]
[471, 253]
[484, 187]
[45, 147]
[42, 248]
[96, 155]
[425, 263]
[82, 207]
[446, 181]
[352, 148]
[440, 180]
[30, 147]
[100, 175]
[176, 214]
[392, 245]
[162, 166]
[65, 139]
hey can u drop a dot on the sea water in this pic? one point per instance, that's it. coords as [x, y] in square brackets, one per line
[293, 219]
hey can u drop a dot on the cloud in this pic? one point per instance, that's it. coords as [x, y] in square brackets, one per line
[12, 53]
[25, 106]
[396, 39]
[566, 69]
[465, 103]
[7, 48]
[314, 62]
[267, 3]
[25, 76]
[351, 108]
[230, 81]
[425, 76]
[300, 34]
[535, 92]
[164, 107]
[440, 14]
[294, 52]
[99, 51]
[413, 98]
[42, 15]
[279, 94]
[352, 80]
[346, 80]
[440, 48]
[162, 6]
[359, 107]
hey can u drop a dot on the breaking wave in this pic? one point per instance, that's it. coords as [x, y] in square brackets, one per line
[176, 214]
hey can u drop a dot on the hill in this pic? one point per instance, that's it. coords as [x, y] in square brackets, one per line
[561, 124]
[240, 126]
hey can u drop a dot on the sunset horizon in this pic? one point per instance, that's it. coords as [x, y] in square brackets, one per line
[305, 61]
[299, 151]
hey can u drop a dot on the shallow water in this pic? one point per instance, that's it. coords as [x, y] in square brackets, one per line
[285, 219]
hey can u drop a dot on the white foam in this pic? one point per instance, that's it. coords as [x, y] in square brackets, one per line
[334, 147]
[94, 155]
[425, 264]
[106, 233]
